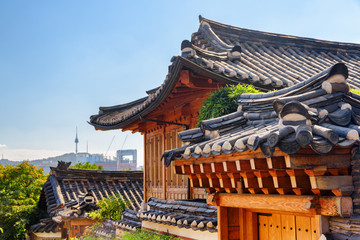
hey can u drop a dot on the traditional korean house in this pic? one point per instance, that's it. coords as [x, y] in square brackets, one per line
[217, 55]
[285, 165]
[69, 194]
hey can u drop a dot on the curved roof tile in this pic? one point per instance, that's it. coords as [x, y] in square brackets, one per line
[237, 55]
[319, 112]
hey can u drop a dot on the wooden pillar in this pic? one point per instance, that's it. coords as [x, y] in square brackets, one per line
[163, 166]
[242, 223]
[320, 225]
[251, 226]
[222, 216]
[145, 168]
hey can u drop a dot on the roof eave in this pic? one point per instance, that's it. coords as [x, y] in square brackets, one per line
[179, 64]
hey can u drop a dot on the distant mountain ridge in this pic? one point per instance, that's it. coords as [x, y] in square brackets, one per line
[67, 157]
[44, 163]
[8, 162]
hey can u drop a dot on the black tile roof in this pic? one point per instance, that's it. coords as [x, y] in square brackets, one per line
[129, 222]
[181, 213]
[267, 59]
[319, 112]
[234, 55]
[45, 225]
[67, 191]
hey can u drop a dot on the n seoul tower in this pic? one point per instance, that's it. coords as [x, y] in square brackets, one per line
[76, 142]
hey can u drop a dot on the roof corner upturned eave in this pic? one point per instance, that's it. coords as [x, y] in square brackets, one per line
[148, 105]
[160, 94]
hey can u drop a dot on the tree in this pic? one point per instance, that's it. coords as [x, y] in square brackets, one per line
[223, 101]
[20, 188]
[87, 165]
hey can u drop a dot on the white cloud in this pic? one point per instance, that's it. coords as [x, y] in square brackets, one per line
[3, 146]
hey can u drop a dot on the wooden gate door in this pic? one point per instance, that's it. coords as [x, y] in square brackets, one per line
[286, 227]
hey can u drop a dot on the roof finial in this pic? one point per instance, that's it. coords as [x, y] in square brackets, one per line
[187, 50]
[200, 18]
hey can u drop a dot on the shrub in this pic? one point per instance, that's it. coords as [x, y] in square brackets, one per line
[111, 207]
[223, 101]
[148, 235]
[356, 91]
[87, 165]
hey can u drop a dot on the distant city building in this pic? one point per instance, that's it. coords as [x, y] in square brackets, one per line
[82, 157]
[126, 159]
[96, 157]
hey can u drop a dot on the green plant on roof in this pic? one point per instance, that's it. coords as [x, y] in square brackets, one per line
[111, 207]
[356, 91]
[223, 101]
[87, 165]
[148, 235]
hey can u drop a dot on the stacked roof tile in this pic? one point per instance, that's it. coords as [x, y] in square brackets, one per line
[108, 228]
[180, 213]
[45, 225]
[266, 58]
[234, 55]
[130, 221]
[319, 112]
[71, 193]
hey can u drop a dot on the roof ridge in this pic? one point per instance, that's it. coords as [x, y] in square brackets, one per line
[290, 38]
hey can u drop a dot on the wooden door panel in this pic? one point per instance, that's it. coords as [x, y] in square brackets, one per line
[315, 233]
[288, 227]
[275, 227]
[263, 227]
[285, 227]
[303, 227]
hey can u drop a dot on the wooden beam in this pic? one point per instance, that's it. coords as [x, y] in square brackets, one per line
[249, 180]
[213, 180]
[269, 163]
[281, 180]
[328, 206]
[203, 180]
[195, 82]
[238, 166]
[298, 178]
[264, 179]
[230, 157]
[234, 177]
[194, 181]
[307, 161]
[217, 167]
[330, 182]
[224, 180]
[177, 169]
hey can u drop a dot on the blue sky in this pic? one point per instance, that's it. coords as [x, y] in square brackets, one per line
[61, 60]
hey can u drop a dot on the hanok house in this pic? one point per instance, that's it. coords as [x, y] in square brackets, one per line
[69, 194]
[220, 54]
[284, 166]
